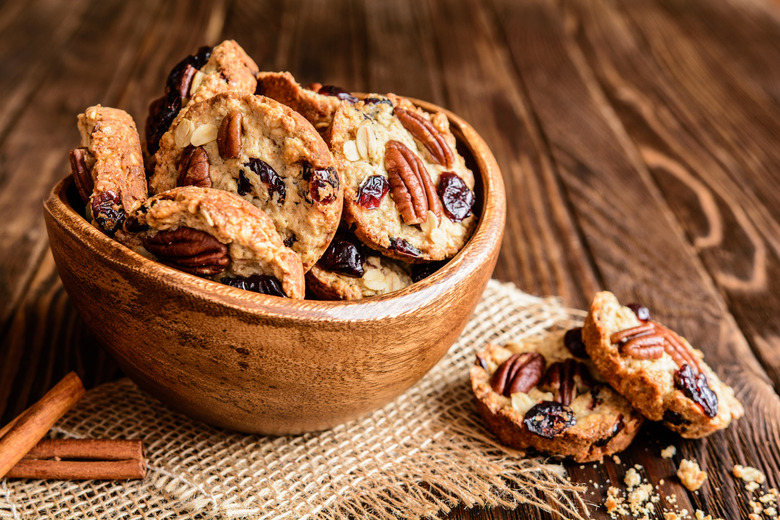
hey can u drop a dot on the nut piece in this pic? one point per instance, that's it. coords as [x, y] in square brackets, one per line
[650, 340]
[81, 162]
[229, 136]
[424, 131]
[194, 168]
[410, 185]
[519, 373]
[190, 250]
[560, 378]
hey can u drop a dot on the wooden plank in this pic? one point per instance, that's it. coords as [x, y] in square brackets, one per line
[638, 246]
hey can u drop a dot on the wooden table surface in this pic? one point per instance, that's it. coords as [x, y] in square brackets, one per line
[638, 142]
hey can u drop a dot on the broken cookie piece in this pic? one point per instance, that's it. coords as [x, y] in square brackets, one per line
[536, 394]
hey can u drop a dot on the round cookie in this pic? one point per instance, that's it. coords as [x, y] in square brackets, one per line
[536, 394]
[350, 271]
[406, 189]
[199, 76]
[108, 166]
[218, 235]
[659, 372]
[317, 103]
[263, 151]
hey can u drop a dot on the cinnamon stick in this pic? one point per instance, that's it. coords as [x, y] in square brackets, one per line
[26, 430]
[78, 469]
[87, 449]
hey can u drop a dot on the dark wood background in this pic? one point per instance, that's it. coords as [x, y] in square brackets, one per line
[638, 142]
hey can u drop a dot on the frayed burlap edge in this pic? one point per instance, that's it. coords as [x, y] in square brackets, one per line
[415, 458]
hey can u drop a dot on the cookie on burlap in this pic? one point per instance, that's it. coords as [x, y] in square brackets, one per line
[658, 371]
[219, 235]
[263, 151]
[350, 271]
[108, 167]
[536, 394]
[407, 191]
[317, 103]
[199, 76]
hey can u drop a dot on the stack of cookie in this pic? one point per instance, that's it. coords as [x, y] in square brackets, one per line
[584, 393]
[250, 176]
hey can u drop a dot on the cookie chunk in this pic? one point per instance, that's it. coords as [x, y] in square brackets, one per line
[199, 76]
[108, 167]
[536, 394]
[659, 372]
[407, 191]
[266, 153]
[317, 103]
[350, 271]
[218, 235]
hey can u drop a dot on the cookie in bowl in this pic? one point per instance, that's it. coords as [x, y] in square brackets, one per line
[539, 394]
[108, 167]
[407, 191]
[264, 152]
[199, 76]
[351, 271]
[663, 376]
[216, 234]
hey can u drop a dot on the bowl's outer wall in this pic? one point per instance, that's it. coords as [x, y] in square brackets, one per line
[274, 368]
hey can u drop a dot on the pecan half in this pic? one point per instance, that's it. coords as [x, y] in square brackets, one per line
[650, 340]
[229, 136]
[194, 168]
[424, 131]
[519, 373]
[410, 185]
[190, 250]
[567, 379]
[81, 162]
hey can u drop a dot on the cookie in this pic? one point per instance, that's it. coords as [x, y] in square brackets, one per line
[658, 371]
[108, 167]
[218, 235]
[536, 394]
[407, 191]
[317, 103]
[350, 271]
[199, 76]
[263, 151]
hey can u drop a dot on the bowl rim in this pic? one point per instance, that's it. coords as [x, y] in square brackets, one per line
[488, 234]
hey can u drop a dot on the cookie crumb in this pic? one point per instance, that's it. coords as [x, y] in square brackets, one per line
[669, 451]
[632, 478]
[615, 459]
[691, 476]
[749, 474]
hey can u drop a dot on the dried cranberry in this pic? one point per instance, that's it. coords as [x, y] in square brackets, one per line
[332, 90]
[420, 271]
[674, 418]
[270, 178]
[259, 283]
[480, 362]
[642, 312]
[107, 210]
[344, 255]
[372, 191]
[173, 85]
[162, 112]
[290, 240]
[615, 430]
[244, 184]
[403, 247]
[377, 101]
[573, 341]
[695, 388]
[323, 183]
[455, 196]
[549, 418]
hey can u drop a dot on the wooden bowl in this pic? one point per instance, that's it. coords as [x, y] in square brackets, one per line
[264, 364]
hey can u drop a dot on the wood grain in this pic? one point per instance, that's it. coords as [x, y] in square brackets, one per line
[638, 143]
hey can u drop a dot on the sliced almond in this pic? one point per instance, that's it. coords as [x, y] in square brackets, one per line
[197, 80]
[366, 141]
[204, 134]
[375, 280]
[183, 133]
[351, 151]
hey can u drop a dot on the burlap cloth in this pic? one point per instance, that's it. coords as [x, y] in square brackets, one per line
[416, 457]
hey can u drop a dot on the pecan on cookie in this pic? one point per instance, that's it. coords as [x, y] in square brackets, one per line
[536, 394]
[197, 77]
[108, 167]
[407, 191]
[662, 375]
[264, 152]
[218, 235]
[317, 103]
